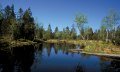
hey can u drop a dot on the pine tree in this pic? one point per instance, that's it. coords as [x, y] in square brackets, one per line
[73, 33]
[28, 25]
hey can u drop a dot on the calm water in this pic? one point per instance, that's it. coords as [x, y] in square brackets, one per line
[53, 58]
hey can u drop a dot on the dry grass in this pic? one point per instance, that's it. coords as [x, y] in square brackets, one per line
[92, 46]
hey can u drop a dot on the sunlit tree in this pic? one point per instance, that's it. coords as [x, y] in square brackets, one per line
[81, 20]
[110, 21]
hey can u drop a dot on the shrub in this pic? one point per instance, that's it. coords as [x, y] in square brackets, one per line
[116, 41]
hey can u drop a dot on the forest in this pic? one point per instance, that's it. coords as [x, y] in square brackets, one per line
[22, 25]
[59, 36]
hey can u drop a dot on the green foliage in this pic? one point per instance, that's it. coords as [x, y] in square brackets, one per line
[73, 34]
[116, 40]
[48, 33]
[80, 20]
[22, 25]
[39, 31]
[8, 22]
[103, 32]
[56, 30]
[28, 25]
[1, 19]
[63, 34]
[88, 33]
[67, 33]
[110, 21]
[1, 15]
[56, 33]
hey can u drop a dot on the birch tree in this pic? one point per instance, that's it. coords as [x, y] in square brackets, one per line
[81, 20]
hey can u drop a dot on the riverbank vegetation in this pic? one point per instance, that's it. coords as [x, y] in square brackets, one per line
[19, 27]
[91, 46]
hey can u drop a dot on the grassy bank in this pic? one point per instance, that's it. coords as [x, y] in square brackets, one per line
[5, 42]
[92, 46]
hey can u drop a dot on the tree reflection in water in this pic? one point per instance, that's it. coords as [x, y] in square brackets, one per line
[79, 68]
[24, 57]
[58, 47]
[112, 66]
[53, 57]
[6, 62]
[20, 60]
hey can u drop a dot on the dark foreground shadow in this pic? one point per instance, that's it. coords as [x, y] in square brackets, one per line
[19, 59]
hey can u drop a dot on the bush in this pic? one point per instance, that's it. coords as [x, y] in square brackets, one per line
[116, 41]
[82, 46]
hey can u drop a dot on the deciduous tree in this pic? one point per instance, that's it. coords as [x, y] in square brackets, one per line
[80, 20]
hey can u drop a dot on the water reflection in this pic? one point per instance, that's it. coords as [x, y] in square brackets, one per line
[6, 61]
[79, 68]
[59, 47]
[54, 58]
[19, 59]
[112, 66]
[23, 58]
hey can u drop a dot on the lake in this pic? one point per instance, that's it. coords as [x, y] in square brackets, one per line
[54, 58]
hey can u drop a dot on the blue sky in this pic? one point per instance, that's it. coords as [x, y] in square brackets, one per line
[62, 13]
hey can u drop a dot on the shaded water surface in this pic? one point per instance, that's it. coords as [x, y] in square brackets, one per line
[53, 58]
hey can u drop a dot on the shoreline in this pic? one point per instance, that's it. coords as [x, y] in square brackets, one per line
[92, 47]
[99, 54]
[16, 43]
[20, 43]
[106, 55]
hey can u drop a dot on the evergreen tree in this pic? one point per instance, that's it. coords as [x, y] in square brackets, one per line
[73, 33]
[1, 19]
[48, 33]
[20, 24]
[56, 33]
[67, 33]
[28, 25]
[95, 35]
[14, 25]
[63, 34]
[39, 31]
[9, 21]
[88, 33]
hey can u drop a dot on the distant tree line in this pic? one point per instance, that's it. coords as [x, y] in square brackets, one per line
[109, 30]
[21, 25]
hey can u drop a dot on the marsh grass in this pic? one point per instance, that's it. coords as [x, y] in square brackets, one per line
[92, 46]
